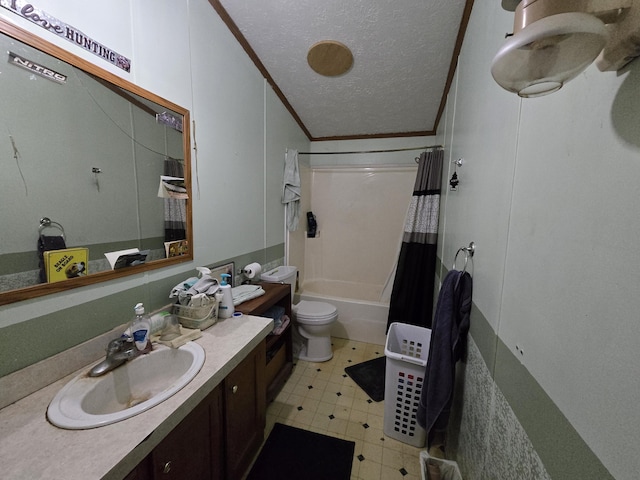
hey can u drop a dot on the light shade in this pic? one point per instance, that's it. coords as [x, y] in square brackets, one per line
[330, 58]
[546, 54]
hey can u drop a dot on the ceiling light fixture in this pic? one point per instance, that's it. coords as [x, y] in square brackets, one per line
[553, 42]
[330, 58]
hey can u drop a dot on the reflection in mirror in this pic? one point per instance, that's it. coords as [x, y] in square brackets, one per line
[83, 156]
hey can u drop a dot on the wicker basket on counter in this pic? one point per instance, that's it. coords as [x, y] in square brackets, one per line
[197, 317]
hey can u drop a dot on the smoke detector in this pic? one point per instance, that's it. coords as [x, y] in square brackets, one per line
[554, 41]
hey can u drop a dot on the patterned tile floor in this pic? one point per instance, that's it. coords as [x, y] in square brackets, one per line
[322, 398]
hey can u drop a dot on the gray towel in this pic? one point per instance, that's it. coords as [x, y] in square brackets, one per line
[205, 284]
[46, 243]
[448, 342]
[291, 189]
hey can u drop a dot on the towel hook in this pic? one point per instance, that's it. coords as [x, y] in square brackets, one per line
[468, 253]
[46, 222]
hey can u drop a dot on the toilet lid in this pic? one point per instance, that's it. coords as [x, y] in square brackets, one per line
[315, 310]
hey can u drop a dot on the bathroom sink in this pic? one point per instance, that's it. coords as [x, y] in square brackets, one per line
[141, 383]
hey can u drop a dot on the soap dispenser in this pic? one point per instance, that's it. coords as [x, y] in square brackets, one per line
[140, 327]
[225, 310]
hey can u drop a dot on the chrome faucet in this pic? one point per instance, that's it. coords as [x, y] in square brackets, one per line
[119, 351]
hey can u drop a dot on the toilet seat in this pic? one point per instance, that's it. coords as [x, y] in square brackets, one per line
[315, 313]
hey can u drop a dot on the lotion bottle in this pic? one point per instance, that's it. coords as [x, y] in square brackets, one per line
[140, 327]
[225, 310]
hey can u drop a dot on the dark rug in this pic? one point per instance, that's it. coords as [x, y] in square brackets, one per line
[291, 453]
[369, 376]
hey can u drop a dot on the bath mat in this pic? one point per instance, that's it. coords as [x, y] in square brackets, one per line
[369, 376]
[291, 453]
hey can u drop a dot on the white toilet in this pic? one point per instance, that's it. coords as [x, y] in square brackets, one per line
[312, 319]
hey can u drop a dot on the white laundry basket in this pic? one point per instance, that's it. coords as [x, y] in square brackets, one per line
[407, 351]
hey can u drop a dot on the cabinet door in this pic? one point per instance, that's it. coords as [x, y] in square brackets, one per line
[216, 409]
[186, 452]
[244, 412]
[141, 472]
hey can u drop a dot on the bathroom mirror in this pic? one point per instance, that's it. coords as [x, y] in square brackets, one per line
[83, 156]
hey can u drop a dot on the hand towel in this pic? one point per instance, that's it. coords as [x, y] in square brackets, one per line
[183, 287]
[291, 189]
[45, 244]
[186, 335]
[242, 293]
[205, 284]
[448, 341]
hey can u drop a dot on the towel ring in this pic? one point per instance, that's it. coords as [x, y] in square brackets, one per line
[46, 222]
[468, 253]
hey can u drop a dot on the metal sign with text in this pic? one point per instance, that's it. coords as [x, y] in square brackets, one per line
[36, 68]
[62, 30]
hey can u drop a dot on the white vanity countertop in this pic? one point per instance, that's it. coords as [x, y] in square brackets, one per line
[31, 448]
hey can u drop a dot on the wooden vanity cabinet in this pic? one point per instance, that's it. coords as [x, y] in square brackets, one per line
[279, 348]
[193, 448]
[220, 437]
[141, 472]
[245, 413]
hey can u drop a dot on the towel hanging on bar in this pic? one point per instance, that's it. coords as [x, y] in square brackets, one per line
[48, 242]
[291, 189]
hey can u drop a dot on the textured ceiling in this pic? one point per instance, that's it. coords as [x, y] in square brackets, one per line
[402, 51]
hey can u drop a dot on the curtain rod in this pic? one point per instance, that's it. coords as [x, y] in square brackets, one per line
[372, 151]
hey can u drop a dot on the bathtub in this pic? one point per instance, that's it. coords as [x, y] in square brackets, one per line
[361, 317]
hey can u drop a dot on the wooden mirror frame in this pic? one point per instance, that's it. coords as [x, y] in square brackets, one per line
[25, 293]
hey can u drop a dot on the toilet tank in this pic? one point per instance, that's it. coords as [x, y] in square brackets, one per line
[282, 275]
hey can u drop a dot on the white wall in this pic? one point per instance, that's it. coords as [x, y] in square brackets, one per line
[548, 192]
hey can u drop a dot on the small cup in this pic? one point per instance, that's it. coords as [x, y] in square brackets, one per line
[171, 328]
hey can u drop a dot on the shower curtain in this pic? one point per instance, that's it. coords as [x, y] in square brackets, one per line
[175, 210]
[412, 294]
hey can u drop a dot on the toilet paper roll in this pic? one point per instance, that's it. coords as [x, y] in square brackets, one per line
[252, 270]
